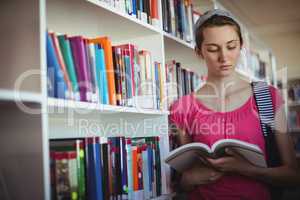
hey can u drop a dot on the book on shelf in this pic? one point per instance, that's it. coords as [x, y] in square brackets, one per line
[294, 119]
[105, 168]
[56, 83]
[185, 156]
[180, 81]
[92, 70]
[144, 10]
[178, 19]
[294, 92]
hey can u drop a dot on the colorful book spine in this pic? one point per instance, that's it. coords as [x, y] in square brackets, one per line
[106, 45]
[56, 84]
[63, 190]
[73, 174]
[154, 13]
[62, 65]
[79, 55]
[65, 47]
[146, 178]
[101, 74]
[81, 169]
[94, 169]
[158, 166]
[91, 63]
[128, 78]
[124, 171]
[118, 79]
[129, 168]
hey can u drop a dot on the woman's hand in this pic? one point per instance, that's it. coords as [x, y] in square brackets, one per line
[199, 175]
[234, 163]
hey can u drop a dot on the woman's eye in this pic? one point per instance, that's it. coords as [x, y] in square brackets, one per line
[212, 50]
[231, 47]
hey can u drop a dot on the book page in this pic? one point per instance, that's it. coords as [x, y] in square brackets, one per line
[185, 156]
[249, 151]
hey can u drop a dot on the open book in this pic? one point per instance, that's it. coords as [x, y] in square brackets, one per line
[185, 156]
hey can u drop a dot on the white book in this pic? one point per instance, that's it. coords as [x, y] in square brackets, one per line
[185, 156]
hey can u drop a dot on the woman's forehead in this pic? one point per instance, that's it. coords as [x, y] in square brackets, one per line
[220, 34]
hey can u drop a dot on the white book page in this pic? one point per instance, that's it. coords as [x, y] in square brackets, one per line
[235, 143]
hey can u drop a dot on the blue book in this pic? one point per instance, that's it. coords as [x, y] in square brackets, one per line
[98, 169]
[101, 74]
[128, 79]
[134, 10]
[94, 189]
[150, 167]
[56, 84]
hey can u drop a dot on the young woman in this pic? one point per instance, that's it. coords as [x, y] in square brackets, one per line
[225, 108]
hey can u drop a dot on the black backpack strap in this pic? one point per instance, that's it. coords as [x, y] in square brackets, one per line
[265, 108]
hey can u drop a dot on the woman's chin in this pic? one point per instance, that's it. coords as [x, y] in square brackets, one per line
[225, 73]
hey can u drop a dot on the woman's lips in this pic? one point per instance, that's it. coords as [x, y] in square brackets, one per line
[225, 67]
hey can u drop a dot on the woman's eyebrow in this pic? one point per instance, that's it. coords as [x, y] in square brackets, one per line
[232, 41]
[213, 44]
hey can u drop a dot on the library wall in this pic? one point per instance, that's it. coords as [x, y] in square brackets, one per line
[286, 49]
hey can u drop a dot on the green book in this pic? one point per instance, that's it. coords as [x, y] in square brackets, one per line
[65, 46]
[78, 146]
[81, 169]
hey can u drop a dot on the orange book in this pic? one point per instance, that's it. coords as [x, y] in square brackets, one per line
[106, 44]
[154, 9]
[61, 61]
[135, 169]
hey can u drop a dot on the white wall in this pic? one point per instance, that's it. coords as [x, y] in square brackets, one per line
[286, 48]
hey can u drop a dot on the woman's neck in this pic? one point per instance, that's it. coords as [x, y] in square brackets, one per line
[223, 85]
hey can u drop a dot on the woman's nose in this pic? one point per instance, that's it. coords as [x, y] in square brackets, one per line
[222, 55]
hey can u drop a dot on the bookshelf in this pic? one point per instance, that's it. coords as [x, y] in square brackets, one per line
[293, 111]
[25, 137]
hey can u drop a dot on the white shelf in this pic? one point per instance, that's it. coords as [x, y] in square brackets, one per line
[293, 104]
[178, 40]
[184, 53]
[92, 18]
[124, 15]
[61, 103]
[164, 197]
[294, 130]
[10, 95]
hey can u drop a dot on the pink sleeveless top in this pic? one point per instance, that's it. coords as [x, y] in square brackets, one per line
[207, 126]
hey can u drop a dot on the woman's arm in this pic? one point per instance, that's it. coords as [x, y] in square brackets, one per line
[288, 174]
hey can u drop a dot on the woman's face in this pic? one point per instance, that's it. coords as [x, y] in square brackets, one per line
[220, 49]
